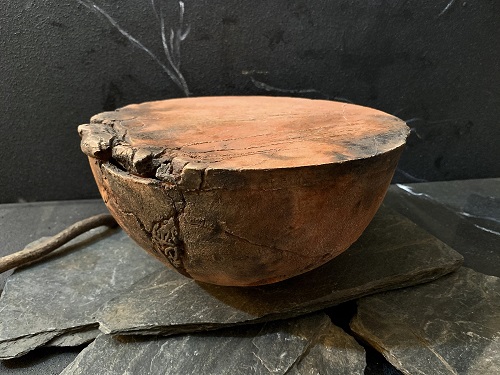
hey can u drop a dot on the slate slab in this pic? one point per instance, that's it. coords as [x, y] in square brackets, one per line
[75, 338]
[306, 345]
[61, 294]
[449, 326]
[393, 252]
[463, 214]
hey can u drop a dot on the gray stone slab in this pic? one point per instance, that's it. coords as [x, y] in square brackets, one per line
[21, 345]
[62, 293]
[22, 223]
[449, 326]
[75, 338]
[335, 352]
[393, 252]
[18, 346]
[463, 214]
[306, 345]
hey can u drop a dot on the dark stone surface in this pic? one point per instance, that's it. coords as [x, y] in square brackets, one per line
[341, 315]
[463, 214]
[449, 326]
[20, 224]
[23, 223]
[74, 338]
[41, 361]
[62, 293]
[475, 196]
[392, 253]
[433, 63]
[304, 345]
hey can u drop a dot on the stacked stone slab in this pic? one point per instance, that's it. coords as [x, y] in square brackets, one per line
[105, 281]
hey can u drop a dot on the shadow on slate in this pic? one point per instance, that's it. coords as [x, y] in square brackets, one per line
[450, 326]
[392, 253]
[54, 301]
[306, 345]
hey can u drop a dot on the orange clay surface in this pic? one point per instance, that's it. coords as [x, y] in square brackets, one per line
[257, 132]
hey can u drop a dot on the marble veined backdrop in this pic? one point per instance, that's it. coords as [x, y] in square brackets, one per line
[432, 63]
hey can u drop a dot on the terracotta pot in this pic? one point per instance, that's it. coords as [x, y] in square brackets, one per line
[243, 190]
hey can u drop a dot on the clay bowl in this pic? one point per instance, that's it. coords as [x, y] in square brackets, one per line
[243, 190]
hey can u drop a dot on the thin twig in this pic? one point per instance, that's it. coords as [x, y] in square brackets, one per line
[46, 247]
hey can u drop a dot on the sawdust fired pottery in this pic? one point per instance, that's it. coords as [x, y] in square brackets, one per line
[243, 190]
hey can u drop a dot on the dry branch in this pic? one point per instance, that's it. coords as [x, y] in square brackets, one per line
[34, 253]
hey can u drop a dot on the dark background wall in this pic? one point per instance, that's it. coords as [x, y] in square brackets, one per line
[433, 63]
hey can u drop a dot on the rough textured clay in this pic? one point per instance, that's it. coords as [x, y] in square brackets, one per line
[243, 190]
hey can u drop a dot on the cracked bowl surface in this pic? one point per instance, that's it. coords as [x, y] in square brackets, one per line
[243, 190]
